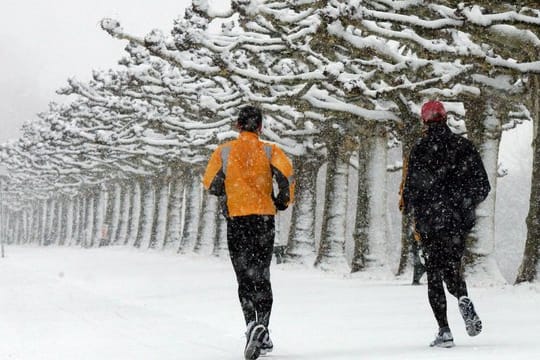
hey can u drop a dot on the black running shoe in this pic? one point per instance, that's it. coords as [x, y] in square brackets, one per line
[473, 324]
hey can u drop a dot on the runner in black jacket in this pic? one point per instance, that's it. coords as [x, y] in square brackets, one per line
[445, 182]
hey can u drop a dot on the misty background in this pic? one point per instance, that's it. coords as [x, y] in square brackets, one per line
[43, 43]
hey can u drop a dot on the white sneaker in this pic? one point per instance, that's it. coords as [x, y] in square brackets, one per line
[266, 346]
[254, 337]
[443, 339]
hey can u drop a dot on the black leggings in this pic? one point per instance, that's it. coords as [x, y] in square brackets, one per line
[443, 255]
[251, 243]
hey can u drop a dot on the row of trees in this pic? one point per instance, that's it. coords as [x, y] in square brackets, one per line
[339, 82]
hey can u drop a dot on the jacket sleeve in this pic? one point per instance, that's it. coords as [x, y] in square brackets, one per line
[282, 171]
[479, 186]
[214, 178]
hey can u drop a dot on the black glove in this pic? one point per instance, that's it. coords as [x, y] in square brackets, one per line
[280, 202]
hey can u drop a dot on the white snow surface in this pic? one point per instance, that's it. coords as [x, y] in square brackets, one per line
[121, 303]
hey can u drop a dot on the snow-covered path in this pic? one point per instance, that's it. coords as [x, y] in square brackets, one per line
[118, 303]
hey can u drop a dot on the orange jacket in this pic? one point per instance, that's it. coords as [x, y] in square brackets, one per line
[242, 170]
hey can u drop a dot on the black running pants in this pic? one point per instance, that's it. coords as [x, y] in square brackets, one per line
[443, 254]
[251, 242]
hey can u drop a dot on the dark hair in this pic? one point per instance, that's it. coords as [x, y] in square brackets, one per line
[249, 119]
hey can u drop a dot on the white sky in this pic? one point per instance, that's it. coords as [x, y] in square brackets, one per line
[44, 42]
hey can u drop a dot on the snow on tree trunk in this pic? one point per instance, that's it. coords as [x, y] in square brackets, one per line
[59, 225]
[22, 228]
[3, 226]
[31, 222]
[68, 235]
[50, 222]
[174, 213]
[331, 254]
[361, 227]
[529, 269]
[20, 222]
[370, 233]
[89, 228]
[135, 213]
[125, 215]
[82, 216]
[221, 248]
[43, 222]
[378, 218]
[16, 229]
[27, 225]
[147, 216]
[107, 217]
[161, 206]
[192, 213]
[82, 219]
[76, 220]
[23, 225]
[482, 237]
[115, 205]
[34, 223]
[99, 218]
[59, 222]
[301, 242]
[207, 234]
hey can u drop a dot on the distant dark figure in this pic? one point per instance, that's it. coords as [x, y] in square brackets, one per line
[444, 184]
[241, 173]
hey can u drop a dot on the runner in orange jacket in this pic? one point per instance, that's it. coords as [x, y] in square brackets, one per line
[241, 173]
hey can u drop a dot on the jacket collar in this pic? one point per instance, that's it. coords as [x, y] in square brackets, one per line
[248, 135]
[438, 129]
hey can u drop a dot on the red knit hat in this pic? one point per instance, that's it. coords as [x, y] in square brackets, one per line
[433, 111]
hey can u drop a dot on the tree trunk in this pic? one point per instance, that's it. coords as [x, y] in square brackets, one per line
[410, 132]
[90, 216]
[82, 219]
[34, 236]
[144, 238]
[221, 248]
[301, 242]
[79, 237]
[486, 134]
[126, 214]
[331, 254]
[68, 226]
[174, 212]
[207, 233]
[529, 268]
[115, 205]
[192, 213]
[60, 223]
[99, 218]
[16, 229]
[51, 218]
[161, 207]
[378, 219]
[76, 220]
[361, 227]
[135, 213]
[370, 234]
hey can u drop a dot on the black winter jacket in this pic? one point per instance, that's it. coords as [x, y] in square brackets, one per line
[445, 181]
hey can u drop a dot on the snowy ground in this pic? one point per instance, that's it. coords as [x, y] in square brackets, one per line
[117, 303]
